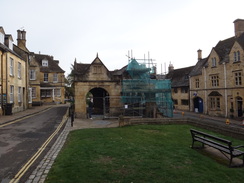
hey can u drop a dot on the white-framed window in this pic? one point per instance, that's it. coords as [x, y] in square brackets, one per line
[10, 44]
[237, 56]
[57, 92]
[55, 77]
[32, 75]
[214, 62]
[45, 63]
[45, 77]
[33, 92]
[19, 70]
[19, 94]
[11, 67]
[11, 94]
[238, 79]
[1, 38]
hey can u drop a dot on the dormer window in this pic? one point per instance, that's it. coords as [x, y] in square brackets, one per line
[1, 38]
[45, 63]
[237, 57]
[10, 44]
[214, 62]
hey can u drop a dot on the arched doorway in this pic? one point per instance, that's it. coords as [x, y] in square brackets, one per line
[239, 106]
[198, 104]
[100, 100]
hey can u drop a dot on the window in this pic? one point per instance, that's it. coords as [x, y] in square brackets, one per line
[46, 93]
[1, 38]
[19, 95]
[215, 80]
[97, 69]
[237, 56]
[197, 83]
[45, 63]
[57, 92]
[175, 102]
[238, 81]
[214, 103]
[45, 77]
[19, 70]
[33, 92]
[11, 94]
[214, 62]
[55, 77]
[32, 75]
[30, 96]
[184, 90]
[184, 102]
[175, 90]
[11, 67]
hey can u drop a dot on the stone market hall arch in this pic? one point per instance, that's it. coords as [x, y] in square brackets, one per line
[100, 82]
[100, 100]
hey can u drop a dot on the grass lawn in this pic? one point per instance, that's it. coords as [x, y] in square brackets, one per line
[139, 154]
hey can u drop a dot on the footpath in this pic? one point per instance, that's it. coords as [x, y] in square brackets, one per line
[41, 171]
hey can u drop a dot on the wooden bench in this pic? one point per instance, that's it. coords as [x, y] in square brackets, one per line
[223, 145]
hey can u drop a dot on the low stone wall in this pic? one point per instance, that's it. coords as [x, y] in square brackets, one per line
[228, 130]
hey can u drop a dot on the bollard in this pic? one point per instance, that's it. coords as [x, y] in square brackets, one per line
[227, 121]
[72, 119]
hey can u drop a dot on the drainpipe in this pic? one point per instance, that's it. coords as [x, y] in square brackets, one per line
[190, 93]
[2, 80]
[205, 91]
[226, 100]
[53, 95]
[6, 78]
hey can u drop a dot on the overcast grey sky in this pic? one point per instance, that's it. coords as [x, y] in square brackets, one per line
[170, 30]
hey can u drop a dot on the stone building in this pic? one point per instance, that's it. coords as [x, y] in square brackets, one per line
[216, 82]
[180, 86]
[96, 81]
[46, 80]
[13, 74]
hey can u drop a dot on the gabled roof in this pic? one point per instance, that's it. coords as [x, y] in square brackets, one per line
[119, 71]
[81, 68]
[224, 47]
[6, 49]
[179, 77]
[52, 64]
[2, 30]
[197, 70]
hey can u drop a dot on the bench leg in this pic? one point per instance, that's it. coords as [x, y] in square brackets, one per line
[230, 161]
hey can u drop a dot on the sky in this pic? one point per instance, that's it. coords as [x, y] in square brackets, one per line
[166, 31]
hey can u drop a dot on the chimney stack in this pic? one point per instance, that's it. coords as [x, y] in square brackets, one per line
[239, 27]
[199, 54]
[171, 67]
[21, 40]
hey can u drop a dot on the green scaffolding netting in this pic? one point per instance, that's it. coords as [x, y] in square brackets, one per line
[143, 92]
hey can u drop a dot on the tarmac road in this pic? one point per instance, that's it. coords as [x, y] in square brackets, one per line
[21, 139]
